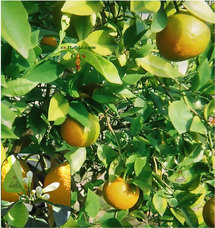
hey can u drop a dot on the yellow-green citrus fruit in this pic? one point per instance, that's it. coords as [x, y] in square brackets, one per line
[51, 41]
[209, 212]
[120, 194]
[184, 37]
[76, 134]
[61, 174]
[11, 196]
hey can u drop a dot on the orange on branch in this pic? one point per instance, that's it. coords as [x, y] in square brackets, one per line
[120, 194]
[209, 212]
[184, 37]
[51, 41]
[78, 135]
[61, 174]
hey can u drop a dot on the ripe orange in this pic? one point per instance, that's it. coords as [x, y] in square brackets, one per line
[61, 174]
[209, 212]
[77, 135]
[184, 37]
[120, 194]
[11, 196]
[51, 41]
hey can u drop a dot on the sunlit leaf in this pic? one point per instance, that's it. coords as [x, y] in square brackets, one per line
[200, 9]
[160, 202]
[145, 6]
[58, 107]
[158, 66]
[81, 7]
[198, 126]
[92, 204]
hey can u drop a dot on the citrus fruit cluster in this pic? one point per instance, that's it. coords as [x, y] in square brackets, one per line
[184, 37]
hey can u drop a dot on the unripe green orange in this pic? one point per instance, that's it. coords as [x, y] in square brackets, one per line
[209, 212]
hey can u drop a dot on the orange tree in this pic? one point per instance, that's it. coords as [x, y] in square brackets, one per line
[139, 119]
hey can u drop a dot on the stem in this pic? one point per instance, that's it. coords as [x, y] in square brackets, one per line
[176, 6]
[114, 135]
[165, 89]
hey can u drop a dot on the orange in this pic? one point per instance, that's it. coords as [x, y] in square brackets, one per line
[76, 134]
[184, 37]
[209, 212]
[11, 196]
[61, 174]
[120, 194]
[51, 41]
[88, 90]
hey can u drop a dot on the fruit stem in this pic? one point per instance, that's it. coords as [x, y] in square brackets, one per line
[176, 6]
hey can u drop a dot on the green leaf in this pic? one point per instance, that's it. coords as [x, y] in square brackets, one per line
[92, 204]
[76, 158]
[209, 109]
[126, 93]
[7, 133]
[18, 87]
[79, 113]
[13, 215]
[178, 215]
[7, 115]
[13, 180]
[15, 28]
[195, 156]
[83, 25]
[201, 10]
[136, 125]
[190, 216]
[58, 107]
[144, 179]
[198, 126]
[158, 66]
[180, 116]
[204, 74]
[103, 66]
[160, 202]
[112, 222]
[132, 79]
[145, 6]
[102, 42]
[45, 72]
[159, 21]
[81, 7]
[139, 164]
[106, 154]
[74, 197]
[104, 98]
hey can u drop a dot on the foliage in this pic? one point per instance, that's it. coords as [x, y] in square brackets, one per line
[156, 116]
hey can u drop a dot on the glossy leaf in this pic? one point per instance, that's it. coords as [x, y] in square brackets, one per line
[132, 79]
[76, 157]
[139, 164]
[158, 66]
[15, 28]
[13, 215]
[79, 113]
[58, 107]
[7, 133]
[160, 202]
[201, 10]
[204, 74]
[102, 42]
[7, 115]
[178, 215]
[180, 116]
[209, 109]
[145, 6]
[18, 87]
[144, 179]
[106, 154]
[159, 21]
[83, 25]
[81, 7]
[92, 204]
[45, 72]
[198, 126]
[103, 66]
[13, 180]
[190, 216]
